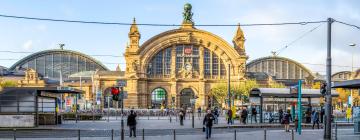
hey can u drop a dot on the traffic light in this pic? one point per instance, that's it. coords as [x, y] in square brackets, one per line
[115, 93]
[323, 88]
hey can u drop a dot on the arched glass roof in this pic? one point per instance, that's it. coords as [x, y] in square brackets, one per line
[56, 63]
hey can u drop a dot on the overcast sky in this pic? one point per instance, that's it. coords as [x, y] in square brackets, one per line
[30, 35]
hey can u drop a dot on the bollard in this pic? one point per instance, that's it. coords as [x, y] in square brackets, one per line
[112, 134]
[292, 134]
[264, 134]
[170, 118]
[122, 134]
[235, 134]
[143, 134]
[14, 134]
[335, 130]
[174, 134]
[78, 134]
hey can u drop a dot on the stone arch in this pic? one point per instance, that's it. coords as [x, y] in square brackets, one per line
[188, 36]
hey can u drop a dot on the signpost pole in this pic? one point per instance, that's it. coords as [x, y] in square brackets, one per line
[122, 112]
[299, 107]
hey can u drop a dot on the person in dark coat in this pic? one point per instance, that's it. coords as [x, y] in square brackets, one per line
[281, 115]
[253, 114]
[131, 122]
[181, 117]
[208, 123]
[286, 120]
[244, 114]
[229, 114]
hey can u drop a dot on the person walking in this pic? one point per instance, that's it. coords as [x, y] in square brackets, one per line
[216, 115]
[199, 112]
[181, 117]
[296, 123]
[244, 114]
[229, 115]
[253, 114]
[286, 120]
[281, 115]
[208, 123]
[131, 122]
[315, 119]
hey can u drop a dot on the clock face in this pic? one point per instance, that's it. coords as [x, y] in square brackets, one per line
[188, 67]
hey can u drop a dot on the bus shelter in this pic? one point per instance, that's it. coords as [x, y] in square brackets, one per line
[270, 101]
[31, 106]
[351, 84]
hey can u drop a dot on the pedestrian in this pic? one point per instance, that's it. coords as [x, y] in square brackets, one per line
[296, 123]
[308, 116]
[216, 115]
[208, 122]
[244, 114]
[281, 115]
[229, 115]
[315, 119]
[348, 114]
[286, 120]
[322, 113]
[199, 112]
[131, 122]
[181, 117]
[253, 114]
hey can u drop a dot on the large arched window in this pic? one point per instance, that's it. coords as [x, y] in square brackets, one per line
[158, 98]
[187, 57]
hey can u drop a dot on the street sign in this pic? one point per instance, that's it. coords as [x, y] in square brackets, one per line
[294, 89]
[121, 83]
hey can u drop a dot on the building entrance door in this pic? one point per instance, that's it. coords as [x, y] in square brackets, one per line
[185, 96]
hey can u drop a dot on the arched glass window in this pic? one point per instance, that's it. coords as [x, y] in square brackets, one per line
[186, 58]
[158, 98]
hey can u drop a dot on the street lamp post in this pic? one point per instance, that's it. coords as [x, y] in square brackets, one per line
[352, 70]
[328, 108]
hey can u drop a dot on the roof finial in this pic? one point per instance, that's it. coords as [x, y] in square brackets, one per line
[61, 46]
[134, 21]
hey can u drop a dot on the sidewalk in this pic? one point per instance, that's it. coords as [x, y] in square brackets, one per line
[253, 135]
[164, 123]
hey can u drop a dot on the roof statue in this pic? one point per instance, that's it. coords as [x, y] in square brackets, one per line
[239, 40]
[187, 14]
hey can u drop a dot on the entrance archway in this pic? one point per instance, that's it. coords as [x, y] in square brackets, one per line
[158, 98]
[185, 96]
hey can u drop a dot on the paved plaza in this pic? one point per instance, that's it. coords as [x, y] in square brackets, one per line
[160, 128]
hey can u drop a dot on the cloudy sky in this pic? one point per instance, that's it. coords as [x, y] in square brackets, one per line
[32, 36]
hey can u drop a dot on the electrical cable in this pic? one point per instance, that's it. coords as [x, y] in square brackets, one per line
[344, 23]
[297, 39]
[151, 24]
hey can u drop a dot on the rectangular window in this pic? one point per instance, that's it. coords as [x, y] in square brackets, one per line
[167, 61]
[159, 63]
[207, 62]
[215, 66]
